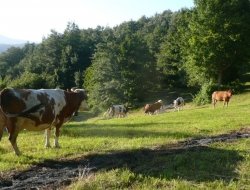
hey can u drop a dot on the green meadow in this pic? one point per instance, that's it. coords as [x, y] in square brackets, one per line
[220, 165]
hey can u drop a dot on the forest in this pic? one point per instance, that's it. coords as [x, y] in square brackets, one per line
[203, 48]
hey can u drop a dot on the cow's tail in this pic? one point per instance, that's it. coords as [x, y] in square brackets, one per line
[25, 112]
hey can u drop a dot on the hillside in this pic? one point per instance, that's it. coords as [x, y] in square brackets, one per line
[199, 147]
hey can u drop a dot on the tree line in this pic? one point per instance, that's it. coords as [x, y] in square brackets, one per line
[205, 47]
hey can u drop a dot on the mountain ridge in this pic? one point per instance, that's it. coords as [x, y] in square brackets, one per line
[11, 41]
[7, 42]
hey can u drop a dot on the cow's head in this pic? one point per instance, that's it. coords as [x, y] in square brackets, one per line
[229, 92]
[83, 97]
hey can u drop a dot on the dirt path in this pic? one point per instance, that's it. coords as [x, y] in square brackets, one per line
[58, 174]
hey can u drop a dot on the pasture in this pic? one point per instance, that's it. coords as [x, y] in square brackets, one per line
[137, 152]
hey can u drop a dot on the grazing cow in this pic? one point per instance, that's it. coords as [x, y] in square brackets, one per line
[179, 103]
[117, 110]
[38, 110]
[221, 96]
[153, 108]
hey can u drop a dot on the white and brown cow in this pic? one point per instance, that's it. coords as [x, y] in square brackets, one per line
[38, 110]
[178, 103]
[153, 108]
[117, 111]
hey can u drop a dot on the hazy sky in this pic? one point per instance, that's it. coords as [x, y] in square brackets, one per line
[33, 19]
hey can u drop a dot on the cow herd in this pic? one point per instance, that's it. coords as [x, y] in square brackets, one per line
[46, 108]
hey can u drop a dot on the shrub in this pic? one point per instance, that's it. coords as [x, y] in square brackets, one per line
[204, 95]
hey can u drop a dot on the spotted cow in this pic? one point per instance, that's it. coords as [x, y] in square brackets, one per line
[179, 103]
[117, 111]
[38, 110]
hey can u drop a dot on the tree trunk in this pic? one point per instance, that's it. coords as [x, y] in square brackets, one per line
[219, 80]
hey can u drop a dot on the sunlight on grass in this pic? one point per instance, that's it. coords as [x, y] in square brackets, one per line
[221, 166]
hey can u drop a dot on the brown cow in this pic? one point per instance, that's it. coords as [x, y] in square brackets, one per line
[38, 110]
[152, 108]
[221, 96]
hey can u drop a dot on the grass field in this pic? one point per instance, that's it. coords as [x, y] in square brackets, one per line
[222, 165]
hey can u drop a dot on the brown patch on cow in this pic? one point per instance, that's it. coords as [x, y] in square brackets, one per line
[73, 102]
[48, 114]
[10, 103]
[26, 94]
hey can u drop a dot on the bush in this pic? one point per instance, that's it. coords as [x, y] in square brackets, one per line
[204, 95]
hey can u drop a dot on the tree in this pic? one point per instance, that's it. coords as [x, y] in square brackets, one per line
[9, 60]
[122, 69]
[218, 49]
[170, 59]
[102, 78]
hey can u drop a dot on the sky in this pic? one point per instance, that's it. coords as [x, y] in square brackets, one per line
[31, 20]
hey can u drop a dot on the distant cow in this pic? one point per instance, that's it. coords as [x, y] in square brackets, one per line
[153, 108]
[117, 110]
[221, 96]
[179, 103]
[38, 110]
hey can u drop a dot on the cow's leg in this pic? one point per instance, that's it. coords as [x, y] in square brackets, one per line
[225, 103]
[57, 132]
[12, 139]
[214, 102]
[47, 137]
[1, 132]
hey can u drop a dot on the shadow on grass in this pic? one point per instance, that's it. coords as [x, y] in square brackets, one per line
[198, 164]
[187, 160]
[121, 131]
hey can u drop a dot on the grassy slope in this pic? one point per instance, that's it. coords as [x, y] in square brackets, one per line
[222, 165]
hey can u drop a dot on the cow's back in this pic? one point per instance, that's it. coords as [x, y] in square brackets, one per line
[221, 95]
[33, 107]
